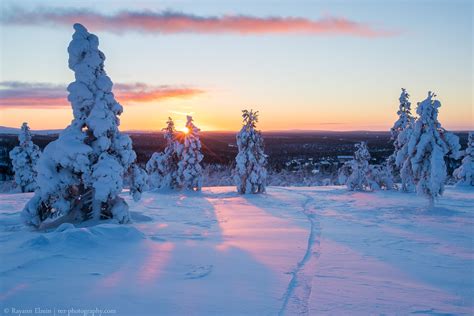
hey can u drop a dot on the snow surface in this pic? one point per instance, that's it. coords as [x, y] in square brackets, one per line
[320, 250]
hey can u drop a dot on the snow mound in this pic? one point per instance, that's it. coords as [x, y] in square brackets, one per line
[117, 232]
[67, 235]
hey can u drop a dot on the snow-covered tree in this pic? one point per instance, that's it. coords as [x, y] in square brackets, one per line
[80, 175]
[400, 133]
[358, 175]
[190, 156]
[162, 167]
[359, 178]
[405, 118]
[24, 158]
[217, 175]
[250, 168]
[465, 173]
[426, 149]
[380, 177]
[406, 172]
[138, 183]
[344, 172]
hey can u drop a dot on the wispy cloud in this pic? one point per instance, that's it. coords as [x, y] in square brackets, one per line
[171, 22]
[141, 92]
[45, 95]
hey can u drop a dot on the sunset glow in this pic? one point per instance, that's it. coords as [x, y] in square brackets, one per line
[284, 157]
[313, 66]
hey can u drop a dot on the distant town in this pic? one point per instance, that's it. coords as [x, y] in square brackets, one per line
[307, 157]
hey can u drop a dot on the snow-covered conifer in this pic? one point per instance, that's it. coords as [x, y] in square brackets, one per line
[400, 133]
[80, 175]
[162, 167]
[359, 179]
[405, 118]
[426, 149]
[190, 156]
[138, 183]
[465, 173]
[24, 158]
[343, 173]
[250, 168]
[380, 177]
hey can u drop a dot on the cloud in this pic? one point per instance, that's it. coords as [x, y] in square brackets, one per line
[45, 95]
[172, 22]
[141, 92]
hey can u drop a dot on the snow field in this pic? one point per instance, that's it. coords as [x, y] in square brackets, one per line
[320, 250]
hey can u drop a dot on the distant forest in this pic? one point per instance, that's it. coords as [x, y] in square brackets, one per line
[220, 147]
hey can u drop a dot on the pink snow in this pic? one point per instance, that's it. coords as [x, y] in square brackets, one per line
[320, 250]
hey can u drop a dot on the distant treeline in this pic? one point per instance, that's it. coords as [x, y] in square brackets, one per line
[220, 147]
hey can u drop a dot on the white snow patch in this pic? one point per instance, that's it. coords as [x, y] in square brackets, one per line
[319, 250]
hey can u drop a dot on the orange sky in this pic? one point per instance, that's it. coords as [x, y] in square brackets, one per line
[301, 67]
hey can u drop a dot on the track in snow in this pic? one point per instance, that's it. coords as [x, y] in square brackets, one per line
[295, 299]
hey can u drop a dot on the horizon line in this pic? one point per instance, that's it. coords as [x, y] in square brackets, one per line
[55, 131]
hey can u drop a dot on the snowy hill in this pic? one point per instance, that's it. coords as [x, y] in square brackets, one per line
[315, 251]
[15, 131]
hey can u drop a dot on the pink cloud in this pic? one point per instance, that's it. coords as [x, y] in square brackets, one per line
[171, 22]
[44, 95]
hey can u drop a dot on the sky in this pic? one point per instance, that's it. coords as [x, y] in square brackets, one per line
[304, 65]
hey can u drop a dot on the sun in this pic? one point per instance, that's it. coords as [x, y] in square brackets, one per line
[185, 130]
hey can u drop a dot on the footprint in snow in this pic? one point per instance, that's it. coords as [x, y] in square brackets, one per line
[199, 272]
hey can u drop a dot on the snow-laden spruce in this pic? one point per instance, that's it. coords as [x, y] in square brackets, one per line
[138, 181]
[343, 173]
[426, 149]
[400, 134]
[380, 177]
[250, 168]
[162, 167]
[80, 175]
[190, 156]
[358, 175]
[24, 158]
[465, 173]
[359, 178]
